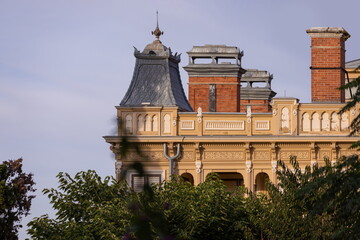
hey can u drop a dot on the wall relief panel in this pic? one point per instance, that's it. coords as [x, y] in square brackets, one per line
[324, 154]
[285, 155]
[149, 155]
[224, 156]
[263, 155]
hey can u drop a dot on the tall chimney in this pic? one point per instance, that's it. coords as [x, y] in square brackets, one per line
[327, 63]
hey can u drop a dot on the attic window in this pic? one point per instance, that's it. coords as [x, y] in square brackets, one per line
[152, 53]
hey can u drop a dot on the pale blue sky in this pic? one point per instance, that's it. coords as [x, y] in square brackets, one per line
[64, 65]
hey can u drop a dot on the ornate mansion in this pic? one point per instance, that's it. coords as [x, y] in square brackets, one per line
[232, 123]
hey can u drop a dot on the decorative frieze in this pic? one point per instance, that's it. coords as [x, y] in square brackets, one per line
[155, 156]
[324, 154]
[348, 152]
[285, 155]
[263, 155]
[224, 125]
[187, 156]
[224, 155]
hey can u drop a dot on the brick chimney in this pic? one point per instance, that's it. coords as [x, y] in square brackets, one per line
[214, 78]
[327, 63]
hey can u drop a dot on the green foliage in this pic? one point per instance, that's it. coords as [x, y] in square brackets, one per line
[355, 99]
[282, 214]
[318, 203]
[15, 201]
[339, 197]
[207, 211]
[315, 203]
[89, 208]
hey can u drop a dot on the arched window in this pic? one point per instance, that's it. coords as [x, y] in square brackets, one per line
[260, 182]
[334, 122]
[315, 122]
[147, 123]
[232, 180]
[140, 123]
[344, 121]
[325, 122]
[285, 118]
[155, 123]
[128, 123]
[188, 178]
[167, 128]
[305, 122]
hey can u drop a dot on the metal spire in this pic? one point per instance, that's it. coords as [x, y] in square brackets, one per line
[157, 19]
[157, 33]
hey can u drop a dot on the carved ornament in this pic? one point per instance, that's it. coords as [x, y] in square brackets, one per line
[198, 165]
[273, 166]
[264, 155]
[285, 155]
[248, 166]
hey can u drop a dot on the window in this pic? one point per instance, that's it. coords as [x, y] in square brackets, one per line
[138, 182]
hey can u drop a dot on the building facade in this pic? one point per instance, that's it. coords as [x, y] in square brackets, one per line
[232, 123]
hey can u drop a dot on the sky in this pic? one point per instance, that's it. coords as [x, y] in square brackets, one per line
[64, 65]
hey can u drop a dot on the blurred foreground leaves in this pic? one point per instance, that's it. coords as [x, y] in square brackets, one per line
[318, 203]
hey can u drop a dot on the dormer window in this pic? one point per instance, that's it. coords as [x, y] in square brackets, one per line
[152, 53]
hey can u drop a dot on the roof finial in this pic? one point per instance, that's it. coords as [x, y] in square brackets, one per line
[157, 19]
[157, 33]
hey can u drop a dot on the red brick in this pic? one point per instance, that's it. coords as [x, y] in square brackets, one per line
[325, 82]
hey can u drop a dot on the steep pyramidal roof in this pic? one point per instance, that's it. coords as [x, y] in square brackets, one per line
[156, 80]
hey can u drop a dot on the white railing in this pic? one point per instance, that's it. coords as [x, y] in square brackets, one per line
[262, 125]
[187, 124]
[224, 125]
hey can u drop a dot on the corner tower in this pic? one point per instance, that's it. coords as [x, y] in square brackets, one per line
[214, 78]
[156, 80]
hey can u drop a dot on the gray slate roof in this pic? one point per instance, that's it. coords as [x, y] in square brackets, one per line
[156, 79]
[353, 64]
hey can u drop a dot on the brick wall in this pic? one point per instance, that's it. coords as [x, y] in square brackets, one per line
[227, 93]
[257, 106]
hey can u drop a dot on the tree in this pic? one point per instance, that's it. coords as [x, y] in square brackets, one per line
[88, 207]
[15, 198]
[339, 196]
[283, 213]
[317, 203]
[355, 99]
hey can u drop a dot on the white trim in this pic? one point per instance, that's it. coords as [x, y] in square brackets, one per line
[266, 124]
[224, 125]
[187, 122]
